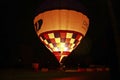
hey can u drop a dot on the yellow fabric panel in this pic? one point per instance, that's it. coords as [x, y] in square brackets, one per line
[69, 35]
[51, 45]
[57, 40]
[55, 49]
[51, 35]
[45, 41]
[72, 45]
[72, 40]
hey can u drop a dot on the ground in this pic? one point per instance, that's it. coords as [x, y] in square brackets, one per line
[27, 74]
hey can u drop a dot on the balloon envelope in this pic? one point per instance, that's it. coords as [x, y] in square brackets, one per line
[61, 30]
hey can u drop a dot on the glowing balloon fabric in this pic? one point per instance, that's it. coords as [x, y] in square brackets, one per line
[61, 30]
[62, 19]
[61, 42]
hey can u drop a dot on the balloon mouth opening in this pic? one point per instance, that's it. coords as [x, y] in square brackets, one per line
[61, 55]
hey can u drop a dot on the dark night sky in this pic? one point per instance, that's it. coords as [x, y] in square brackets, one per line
[20, 42]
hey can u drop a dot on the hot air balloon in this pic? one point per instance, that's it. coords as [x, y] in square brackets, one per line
[61, 29]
